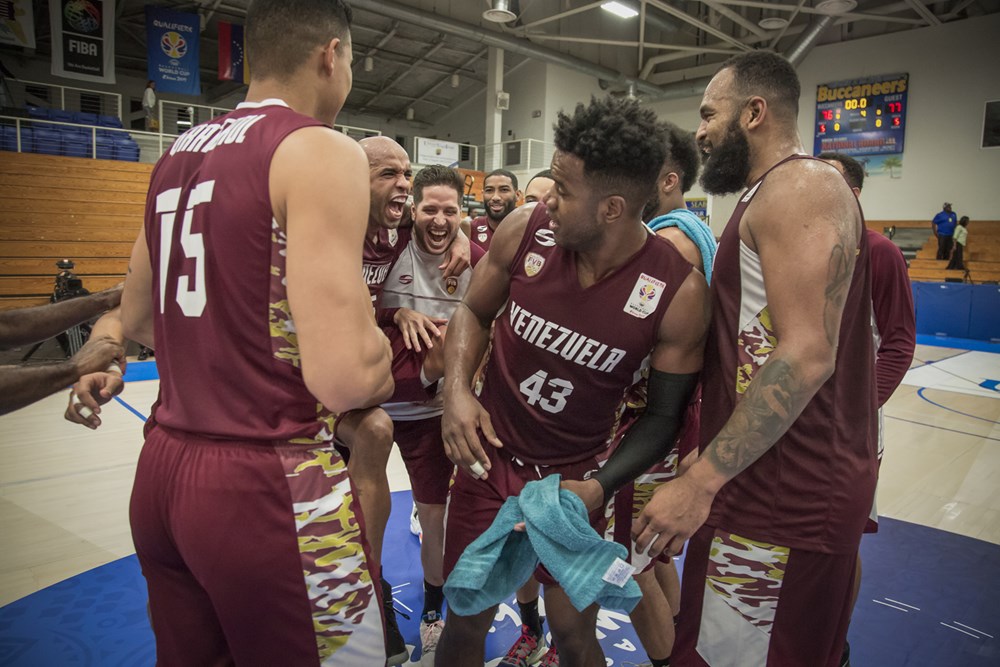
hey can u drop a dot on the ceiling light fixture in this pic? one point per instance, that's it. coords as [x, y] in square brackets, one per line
[619, 10]
[409, 114]
[500, 12]
[369, 63]
[835, 7]
[455, 80]
[773, 23]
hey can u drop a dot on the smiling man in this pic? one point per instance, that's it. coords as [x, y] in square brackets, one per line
[500, 195]
[416, 283]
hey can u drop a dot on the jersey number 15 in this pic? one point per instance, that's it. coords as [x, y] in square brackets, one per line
[191, 298]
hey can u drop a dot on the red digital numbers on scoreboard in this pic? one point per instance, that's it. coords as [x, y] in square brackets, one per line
[895, 107]
[827, 114]
[822, 128]
[896, 122]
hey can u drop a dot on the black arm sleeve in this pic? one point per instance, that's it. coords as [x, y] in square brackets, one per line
[653, 434]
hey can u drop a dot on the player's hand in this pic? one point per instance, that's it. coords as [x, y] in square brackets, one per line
[417, 327]
[89, 394]
[464, 418]
[673, 514]
[97, 354]
[459, 257]
[590, 491]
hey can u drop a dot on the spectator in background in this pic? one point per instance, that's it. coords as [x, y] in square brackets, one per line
[149, 106]
[943, 226]
[960, 236]
[22, 385]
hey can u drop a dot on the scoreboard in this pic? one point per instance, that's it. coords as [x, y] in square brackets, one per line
[861, 116]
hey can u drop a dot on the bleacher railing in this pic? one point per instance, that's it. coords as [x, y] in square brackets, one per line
[67, 98]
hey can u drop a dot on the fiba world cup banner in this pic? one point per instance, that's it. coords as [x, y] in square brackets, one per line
[83, 39]
[172, 42]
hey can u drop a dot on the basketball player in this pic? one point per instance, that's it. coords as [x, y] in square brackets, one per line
[242, 513]
[415, 282]
[893, 320]
[538, 186]
[23, 385]
[589, 296]
[787, 469]
[500, 195]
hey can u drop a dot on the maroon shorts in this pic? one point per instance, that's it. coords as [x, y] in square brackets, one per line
[253, 553]
[752, 603]
[427, 465]
[473, 504]
[406, 367]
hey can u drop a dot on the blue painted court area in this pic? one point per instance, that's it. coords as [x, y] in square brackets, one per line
[928, 598]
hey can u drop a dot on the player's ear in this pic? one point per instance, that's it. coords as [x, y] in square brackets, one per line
[614, 208]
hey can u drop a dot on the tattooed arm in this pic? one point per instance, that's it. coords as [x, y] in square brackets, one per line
[805, 227]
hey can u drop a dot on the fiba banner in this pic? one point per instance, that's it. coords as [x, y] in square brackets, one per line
[83, 39]
[232, 53]
[172, 42]
[17, 23]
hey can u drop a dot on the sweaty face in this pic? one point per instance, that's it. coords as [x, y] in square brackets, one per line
[436, 218]
[390, 184]
[499, 197]
[727, 165]
[537, 188]
[572, 204]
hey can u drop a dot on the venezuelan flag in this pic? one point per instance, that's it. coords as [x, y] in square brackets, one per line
[232, 53]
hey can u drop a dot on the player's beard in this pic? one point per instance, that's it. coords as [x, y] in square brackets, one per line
[728, 165]
[498, 217]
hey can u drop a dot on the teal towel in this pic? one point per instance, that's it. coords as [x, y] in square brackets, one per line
[571, 549]
[495, 565]
[558, 533]
[695, 229]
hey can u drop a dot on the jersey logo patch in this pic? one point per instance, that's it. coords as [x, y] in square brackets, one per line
[405, 279]
[533, 263]
[393, 237]
[451, 284]
[645, 296]
[545, 237]
[482, 237]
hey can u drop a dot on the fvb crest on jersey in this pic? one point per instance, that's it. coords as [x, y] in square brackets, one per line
[645, 295]
[533, 263]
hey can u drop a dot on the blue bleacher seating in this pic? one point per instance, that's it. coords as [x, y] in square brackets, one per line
[37, 112]
[105, 148]
[47, 139]
[76, 143]
[127, 150]
[61, 115]
[109, 121]
[85, 118]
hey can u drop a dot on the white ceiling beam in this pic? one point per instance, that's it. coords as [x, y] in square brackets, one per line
[927, 14]
[662, 6]
[736, 18]
[810, 10]
[561, 15]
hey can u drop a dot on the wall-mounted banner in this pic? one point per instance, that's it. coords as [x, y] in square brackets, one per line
[83, 39]
[232, 53]
[433, 151]
[172, 42]
[17, 23]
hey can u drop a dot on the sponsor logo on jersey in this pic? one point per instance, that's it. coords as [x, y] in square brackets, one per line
[533, 264]
[375, 274]
[545, 237]
[645, 295]
[451, 284]
[568, 344]
[405, 279]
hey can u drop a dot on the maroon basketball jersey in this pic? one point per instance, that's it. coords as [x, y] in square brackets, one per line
[482, 233]
[380, 254]
[564, 356]
[225, 342]
[813, 489]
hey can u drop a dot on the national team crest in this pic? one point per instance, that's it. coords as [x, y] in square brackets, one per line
[645, 296]
[533, 263]
[482, 237]
[451, 284]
